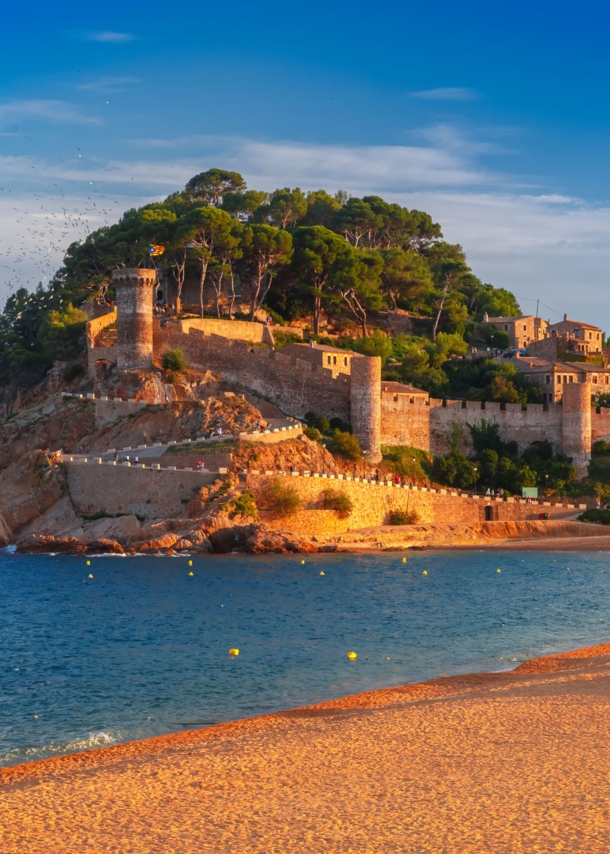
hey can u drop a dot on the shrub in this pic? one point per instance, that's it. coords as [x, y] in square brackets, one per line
[72, 372]
[174, 359]
[245, 505]
[402, 517]
[312, 433]
[594, 515]
[341, 503]
[346, 445]
[601, 447]
[280, 498]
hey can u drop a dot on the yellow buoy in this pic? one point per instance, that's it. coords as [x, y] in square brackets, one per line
[190, 562]
[36, 717]
[404, 560]
[302, 561]
[234, 652]
[498, 570]
[190, 573]
[352, 656]
[89, 576]
[88, 563]
[425, 572]
[322, 572]
[387, 658]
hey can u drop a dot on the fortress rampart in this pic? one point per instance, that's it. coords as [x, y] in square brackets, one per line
[298, 386]
[292, 384]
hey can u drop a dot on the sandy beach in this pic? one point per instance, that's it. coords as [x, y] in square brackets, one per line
[505, 762]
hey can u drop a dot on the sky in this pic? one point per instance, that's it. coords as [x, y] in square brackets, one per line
[491, 117]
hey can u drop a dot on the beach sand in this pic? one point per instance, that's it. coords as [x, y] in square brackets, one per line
[508, 762]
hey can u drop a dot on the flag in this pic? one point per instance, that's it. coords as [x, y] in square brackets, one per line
[156, 250]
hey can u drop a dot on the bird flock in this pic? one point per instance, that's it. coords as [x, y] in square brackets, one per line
[38, 226]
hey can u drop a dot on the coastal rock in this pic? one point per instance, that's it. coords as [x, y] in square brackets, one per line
[42, 543]
[121, 529]
[5, 532]
[264, 540]
[30, 486]
[60, 520]
[226, 540]
[166, 542]
[103, 545]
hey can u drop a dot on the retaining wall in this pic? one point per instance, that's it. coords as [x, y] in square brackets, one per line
[147, 492]
[373, 502]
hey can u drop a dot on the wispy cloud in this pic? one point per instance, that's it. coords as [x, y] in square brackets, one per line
[110, 84]
[538, 244]
[447, 94]
[56, 111]
[108, 36]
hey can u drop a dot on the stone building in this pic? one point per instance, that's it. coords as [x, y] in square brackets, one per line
[554, 376]
[576, 336]
[522, 330]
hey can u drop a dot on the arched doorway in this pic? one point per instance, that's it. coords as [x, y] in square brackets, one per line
[489, 512]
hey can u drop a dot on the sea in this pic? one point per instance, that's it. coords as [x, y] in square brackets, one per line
[141, 648]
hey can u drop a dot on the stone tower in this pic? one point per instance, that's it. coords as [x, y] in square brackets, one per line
[134, 299]
[365, 404]
[576, 416]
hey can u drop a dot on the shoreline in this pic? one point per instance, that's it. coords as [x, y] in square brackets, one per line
[416, 759]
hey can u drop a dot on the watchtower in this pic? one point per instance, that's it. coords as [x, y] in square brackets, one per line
[134, 299]
[365, 404]
[576, 416]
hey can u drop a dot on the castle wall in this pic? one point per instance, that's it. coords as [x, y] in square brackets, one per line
[524, 426]
[93, 329]
[405, 421]
[295, 386]
[240, 330]
[600, 424]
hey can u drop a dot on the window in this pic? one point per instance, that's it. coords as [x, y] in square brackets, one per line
[558, 378]
[506, 327]
[571, 378]
[548, 379]
[524, 328]
[334, 360]
[345, 360]
[595, 380]
[329, 360]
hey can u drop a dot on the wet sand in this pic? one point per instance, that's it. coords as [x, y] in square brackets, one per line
[507, 762]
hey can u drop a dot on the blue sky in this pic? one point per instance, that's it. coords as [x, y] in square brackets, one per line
[492, 118]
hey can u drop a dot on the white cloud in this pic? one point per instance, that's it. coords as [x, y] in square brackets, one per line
[539, 245]
[55, 111]
[446, 94]
[110, 84]
[109, 37]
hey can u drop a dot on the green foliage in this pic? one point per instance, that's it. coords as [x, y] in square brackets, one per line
[72, 372]
[345, 445]
[280, 498]
[411, 463]
[174, 360]
[333, 499]
[244, 505]
[600, 517]
[61, 331]
[601, 447]
[377, 344]
[402, 517]
[351, 257]
[312, 433]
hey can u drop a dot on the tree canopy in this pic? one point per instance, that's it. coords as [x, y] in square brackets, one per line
[293, 253]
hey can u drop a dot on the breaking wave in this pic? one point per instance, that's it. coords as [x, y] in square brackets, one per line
[55, 748]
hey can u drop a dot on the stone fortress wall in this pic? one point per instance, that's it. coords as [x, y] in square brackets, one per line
[298, 386]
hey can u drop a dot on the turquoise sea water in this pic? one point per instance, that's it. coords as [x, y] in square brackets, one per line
[142, 648]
